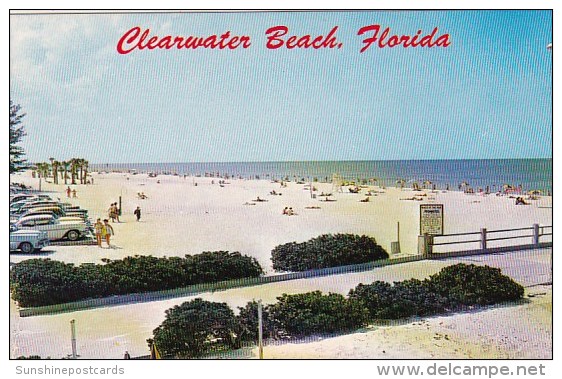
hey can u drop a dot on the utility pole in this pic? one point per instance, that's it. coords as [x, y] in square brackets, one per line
[260, 329]
[73, 338]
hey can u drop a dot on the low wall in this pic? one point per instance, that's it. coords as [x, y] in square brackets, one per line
[247, 282]
[207, 287]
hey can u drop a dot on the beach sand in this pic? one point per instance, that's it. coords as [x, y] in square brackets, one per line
[181, 218]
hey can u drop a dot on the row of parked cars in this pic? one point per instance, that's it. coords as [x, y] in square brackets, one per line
[35, 220]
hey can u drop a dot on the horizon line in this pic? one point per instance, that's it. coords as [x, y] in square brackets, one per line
[322, 160]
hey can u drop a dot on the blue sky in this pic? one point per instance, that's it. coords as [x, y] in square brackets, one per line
[488, 95]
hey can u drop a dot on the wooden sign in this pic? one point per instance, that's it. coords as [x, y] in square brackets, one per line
[431, 219]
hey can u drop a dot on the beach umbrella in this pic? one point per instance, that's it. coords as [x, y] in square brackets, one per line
[508, 187]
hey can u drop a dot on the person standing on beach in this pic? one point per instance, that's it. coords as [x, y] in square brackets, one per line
[98, 227]
[137, 213]
[68, 190]
[116, 211]
[107, 231]
[110, 213]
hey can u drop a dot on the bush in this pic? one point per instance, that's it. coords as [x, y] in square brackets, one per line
[311, 313]
[466, 285]
[44, 281]
[404, 299]
[192, 328]
[248, 322]
[326, 251]
[189, 328]
[453, 287]
[38, 282]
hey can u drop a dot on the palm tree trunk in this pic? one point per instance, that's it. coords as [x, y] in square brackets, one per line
[55, 174]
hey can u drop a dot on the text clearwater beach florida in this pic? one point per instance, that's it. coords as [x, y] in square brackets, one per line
[278, 37]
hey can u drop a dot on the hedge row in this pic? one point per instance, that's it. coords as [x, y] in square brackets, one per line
[453, 288]
[186, 330]
[38, 282]
[326, 251]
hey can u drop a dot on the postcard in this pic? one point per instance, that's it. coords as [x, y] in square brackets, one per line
[369, 184]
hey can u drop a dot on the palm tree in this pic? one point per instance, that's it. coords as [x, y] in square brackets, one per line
[52, 160]
[65, 166]
[79, 166]
[73, 167]
[42, 169]
[55, 165]
[86, 165]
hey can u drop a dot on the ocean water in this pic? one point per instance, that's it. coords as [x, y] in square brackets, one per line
[531, 174]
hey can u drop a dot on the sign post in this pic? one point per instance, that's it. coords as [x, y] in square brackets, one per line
[431, 219]
[431, 224]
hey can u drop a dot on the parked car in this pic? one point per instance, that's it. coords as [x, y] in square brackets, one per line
[39, 203]
[56, 208]
[28, 241]
[55, 229]
[28, 197]
[40, 211]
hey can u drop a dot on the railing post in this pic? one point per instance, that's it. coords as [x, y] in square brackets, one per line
[425, 245]
[483, 242]
[536, 235]
[73, 338]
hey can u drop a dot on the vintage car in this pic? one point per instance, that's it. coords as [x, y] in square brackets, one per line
[37, 212]
[16, 205]
[27, 196]
[54, 228]
[27, 241]
[60, 210]
[38, 203]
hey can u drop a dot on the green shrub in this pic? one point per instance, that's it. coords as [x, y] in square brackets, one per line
[312, 312]
[190, 329]
[326, 251]
[465, 285]
[403, 299]
[38, 282]
[248, 322]
[452, 288]
[44, 282]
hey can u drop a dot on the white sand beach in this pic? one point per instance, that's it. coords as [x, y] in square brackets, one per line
[179, 218]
